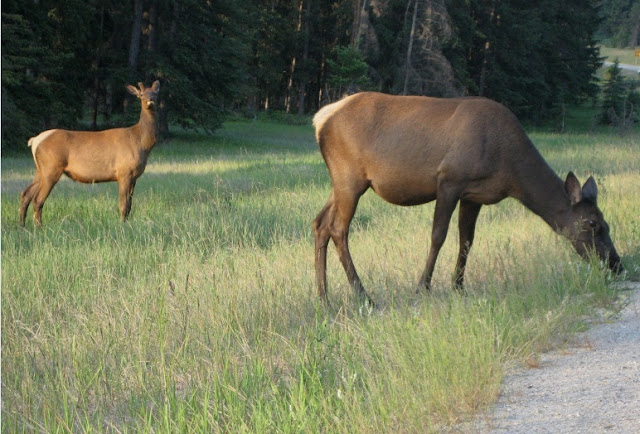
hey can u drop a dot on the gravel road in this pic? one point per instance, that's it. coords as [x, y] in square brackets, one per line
[590, 387]
[635, 68]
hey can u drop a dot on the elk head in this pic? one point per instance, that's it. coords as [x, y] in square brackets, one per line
[148, 96]
[585, 225]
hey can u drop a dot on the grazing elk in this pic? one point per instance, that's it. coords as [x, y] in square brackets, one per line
[411, 150]
[118, 154]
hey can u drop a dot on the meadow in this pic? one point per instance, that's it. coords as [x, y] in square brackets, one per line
[624, 55]
[199, 314]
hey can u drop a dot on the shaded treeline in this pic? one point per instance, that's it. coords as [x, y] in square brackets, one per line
[620, 25]
[63, 60]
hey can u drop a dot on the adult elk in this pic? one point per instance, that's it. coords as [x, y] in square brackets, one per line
[118, 154]
[411, 150]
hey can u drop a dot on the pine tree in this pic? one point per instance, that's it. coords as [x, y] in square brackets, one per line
[620, 101]
[348, 72]
[39, 85]
[534, 57]
[200, 53]
[620, 22]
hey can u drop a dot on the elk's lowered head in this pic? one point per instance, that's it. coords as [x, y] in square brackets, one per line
[148, 96]
[585, 225]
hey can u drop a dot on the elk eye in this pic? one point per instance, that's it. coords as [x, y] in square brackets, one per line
[593, 223]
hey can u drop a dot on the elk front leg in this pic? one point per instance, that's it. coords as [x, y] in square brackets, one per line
[467, 217]
[445, 205]
[126, 187]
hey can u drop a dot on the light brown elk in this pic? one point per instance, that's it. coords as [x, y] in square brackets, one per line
[118, 154]
[411, 150]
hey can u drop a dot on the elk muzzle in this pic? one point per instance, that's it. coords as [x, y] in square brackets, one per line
[604, 248]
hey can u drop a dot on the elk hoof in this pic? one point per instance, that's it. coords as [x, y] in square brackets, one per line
[367, 306]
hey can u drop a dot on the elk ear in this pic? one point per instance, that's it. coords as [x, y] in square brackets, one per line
[141, 86]
[155, 86]
[590, 190]
[572, 187]
[133, 91]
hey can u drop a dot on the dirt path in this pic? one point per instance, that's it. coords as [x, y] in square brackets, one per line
[593, 387]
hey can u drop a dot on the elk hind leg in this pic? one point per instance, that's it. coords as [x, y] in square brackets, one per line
[321, 232]
[333, 222]
[26, 196]
[345, 207]
[46, 185]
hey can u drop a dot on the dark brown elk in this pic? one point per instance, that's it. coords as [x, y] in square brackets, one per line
[411, 150]
[118, 154]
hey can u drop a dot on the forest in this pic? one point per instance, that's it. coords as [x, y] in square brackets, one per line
[65, 63]
[200, 313]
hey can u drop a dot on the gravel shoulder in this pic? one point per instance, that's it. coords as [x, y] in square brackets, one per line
[591, 387]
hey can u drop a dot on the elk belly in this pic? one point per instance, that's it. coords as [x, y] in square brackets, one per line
[405, 192]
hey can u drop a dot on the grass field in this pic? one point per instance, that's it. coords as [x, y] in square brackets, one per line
[624, 55]
[199, 313]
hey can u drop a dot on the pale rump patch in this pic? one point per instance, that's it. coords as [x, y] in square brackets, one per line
[325, 113]
[34, 142]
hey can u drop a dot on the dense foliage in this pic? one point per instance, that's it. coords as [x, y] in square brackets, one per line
[68, 60]
[620, 100]
[621, 22]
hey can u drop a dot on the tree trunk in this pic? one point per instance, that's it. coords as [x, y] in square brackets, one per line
[94, 109]
[96, 79]
[302, 89]
[634, 40]
[163, 123]
[407, 67]
[485, 54]
[360, 11]
[134, 43]
[292, 69]
[152, 43]
[163, 108]
[136, 32]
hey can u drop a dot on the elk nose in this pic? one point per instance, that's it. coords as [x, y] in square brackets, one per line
[615, 264]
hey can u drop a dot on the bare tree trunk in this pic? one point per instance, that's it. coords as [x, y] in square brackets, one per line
[94, 110]
[635, 33]
[96, 79]
[136, 32]
[360, 11]
[287, 97]
[163, 123]
[292, 69]
[410, 47]
[163, 108]
[302, 89]
[152, 44]
[485, 55]
[134, 43]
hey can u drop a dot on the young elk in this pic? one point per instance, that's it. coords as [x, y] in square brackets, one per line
[118, 154]
[412, 150]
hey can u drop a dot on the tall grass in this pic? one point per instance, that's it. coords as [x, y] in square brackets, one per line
[199, 313]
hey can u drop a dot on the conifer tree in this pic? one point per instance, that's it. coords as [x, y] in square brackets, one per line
[619, 105]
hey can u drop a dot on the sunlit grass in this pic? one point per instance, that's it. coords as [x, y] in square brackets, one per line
[199, 313]
[624, 55]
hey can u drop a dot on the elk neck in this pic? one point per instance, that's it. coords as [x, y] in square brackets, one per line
[147, 128]
[541, 190]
